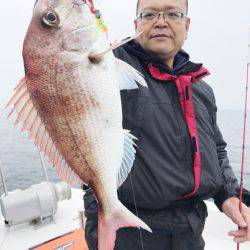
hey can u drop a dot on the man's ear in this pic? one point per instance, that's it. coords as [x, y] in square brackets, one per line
[187, 25]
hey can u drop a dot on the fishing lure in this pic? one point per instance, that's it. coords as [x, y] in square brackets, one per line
[97, 14]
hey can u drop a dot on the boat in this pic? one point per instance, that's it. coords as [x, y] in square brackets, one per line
[50, 216]
[62, 229]
[66, 229]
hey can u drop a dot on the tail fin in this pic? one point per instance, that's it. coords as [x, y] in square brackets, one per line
[107, 226]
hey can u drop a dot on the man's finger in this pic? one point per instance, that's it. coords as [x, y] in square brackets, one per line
[240, 239]
[247, 219]
[238, 233]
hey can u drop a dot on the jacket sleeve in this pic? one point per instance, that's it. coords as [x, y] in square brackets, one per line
[230, 186]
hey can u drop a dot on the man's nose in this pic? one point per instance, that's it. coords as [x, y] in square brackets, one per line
[161, 21]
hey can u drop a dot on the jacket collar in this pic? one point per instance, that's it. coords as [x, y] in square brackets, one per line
[182, 64]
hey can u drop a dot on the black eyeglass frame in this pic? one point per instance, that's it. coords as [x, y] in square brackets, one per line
[182, 14]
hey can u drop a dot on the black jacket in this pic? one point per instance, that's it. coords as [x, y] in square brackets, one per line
[163, 168]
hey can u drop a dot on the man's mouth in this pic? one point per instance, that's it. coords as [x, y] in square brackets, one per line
[160, 35]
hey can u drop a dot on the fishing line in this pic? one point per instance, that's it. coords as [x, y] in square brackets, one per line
[136, 211]
[97, 13]
[5, 235]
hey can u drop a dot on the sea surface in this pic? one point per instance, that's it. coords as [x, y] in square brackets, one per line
[22, 167]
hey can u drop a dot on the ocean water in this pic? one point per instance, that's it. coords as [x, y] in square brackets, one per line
[22, 167]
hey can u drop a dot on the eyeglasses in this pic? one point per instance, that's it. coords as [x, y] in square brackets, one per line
[171, 16]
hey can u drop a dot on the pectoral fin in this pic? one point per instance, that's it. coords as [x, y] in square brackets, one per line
[128, 157]
[129, 77]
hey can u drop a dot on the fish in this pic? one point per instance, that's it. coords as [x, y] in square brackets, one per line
[69, 102]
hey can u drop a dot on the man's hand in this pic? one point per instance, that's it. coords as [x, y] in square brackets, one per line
[231, 208]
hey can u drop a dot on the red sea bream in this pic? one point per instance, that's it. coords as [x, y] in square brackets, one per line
[69, 101]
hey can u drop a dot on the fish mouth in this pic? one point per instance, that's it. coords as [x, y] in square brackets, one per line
[78, 3]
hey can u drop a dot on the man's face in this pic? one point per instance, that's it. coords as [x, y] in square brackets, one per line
[162, 37]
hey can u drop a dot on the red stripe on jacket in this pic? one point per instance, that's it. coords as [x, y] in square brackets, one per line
[183, 83]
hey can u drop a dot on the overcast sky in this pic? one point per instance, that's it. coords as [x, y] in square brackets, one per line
[218, 38]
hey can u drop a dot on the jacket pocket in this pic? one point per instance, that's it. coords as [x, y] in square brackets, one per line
[210, 175]
[204, 121]
[133, 110]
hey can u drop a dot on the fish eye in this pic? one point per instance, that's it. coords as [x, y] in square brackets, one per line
[50, 19]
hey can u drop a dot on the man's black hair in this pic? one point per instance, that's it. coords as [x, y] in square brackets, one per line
[138, 2]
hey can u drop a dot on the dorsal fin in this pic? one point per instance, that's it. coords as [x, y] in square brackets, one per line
[31, 121]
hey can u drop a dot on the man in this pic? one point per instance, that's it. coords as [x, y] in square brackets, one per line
[181, 158]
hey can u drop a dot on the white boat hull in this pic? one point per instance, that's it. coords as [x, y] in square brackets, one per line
[67, 219]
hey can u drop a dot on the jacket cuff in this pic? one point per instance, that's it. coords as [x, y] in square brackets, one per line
[245, 196]
[223, 195]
